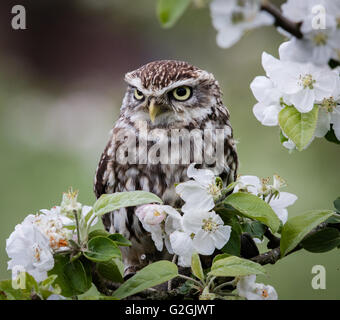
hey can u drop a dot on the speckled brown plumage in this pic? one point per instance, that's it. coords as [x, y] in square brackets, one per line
[204, 110]
[159, 74]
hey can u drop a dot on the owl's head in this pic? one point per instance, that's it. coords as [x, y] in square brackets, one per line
[169, 91]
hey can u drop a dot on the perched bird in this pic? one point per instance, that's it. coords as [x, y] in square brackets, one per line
[166, 98]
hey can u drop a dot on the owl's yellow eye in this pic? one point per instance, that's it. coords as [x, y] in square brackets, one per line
[138, 95]
[182, 93]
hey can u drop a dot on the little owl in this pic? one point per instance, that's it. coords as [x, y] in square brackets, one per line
[165, 100]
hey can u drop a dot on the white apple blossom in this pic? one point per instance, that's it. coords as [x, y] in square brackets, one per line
[302, 84]
[200, 192]
[197, 231]
[207, 230]
[56, 212]
[268, 107]
[279, 203]
[152, 215]
[249, 289]
[329, 113]
[52, 226]
[29, 248]
[182, 245]
[302, 10]
[33, 242]
[232, 18]
[318, 45]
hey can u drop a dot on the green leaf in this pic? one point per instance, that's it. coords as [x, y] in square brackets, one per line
[99, 297]
[48, 287]
[48, 281]
[73, 277]
[111, 270]
[78, 274]
[120, 240]
[296, 228]
[322, 241]
[251, 206]
[230, 187]
[234, 266]
[196, 266]
[233, 246]
[330, 136]
[299, 127]
[169, 11]
[60, 261]
[20, 289]
[221, 256]
[7, 292]
[334, 219]
[150, 276]
[25, 286]
[87, 217]
[111, 202]
[98, 232]
[255, 228]
[101, 249]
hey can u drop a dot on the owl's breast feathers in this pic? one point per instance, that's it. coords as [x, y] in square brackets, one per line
[114, 176]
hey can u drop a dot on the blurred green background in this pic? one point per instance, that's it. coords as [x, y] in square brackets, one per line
[61, 84]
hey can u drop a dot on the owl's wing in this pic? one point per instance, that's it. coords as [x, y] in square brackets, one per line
[104, 173]
[105, 180]
[230, 154]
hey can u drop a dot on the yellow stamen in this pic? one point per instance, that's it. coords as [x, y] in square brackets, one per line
[265, 293]
[329, 104]
[214, 190]
[320, 39]
[209, 225]
[307, 81]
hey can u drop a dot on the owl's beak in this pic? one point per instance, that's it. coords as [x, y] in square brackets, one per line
[154, 110]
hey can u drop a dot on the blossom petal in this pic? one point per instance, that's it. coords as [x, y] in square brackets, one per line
[221, 236]
[268, 115]
[203, 176]
[195, 196]
[335, 119]
[181, 244]
[323, 124]
[303, 100]
[203, 243]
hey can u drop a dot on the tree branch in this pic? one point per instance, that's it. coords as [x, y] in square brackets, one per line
[161, 292]
[272, 256]
[281, 21]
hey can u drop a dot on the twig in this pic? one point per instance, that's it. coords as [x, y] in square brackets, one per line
[222, 285]
[281, 21]
[272, 256]
[190, 279]
[174, 258]
[77, 226]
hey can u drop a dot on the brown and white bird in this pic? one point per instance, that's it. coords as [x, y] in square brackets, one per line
[162, 97]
